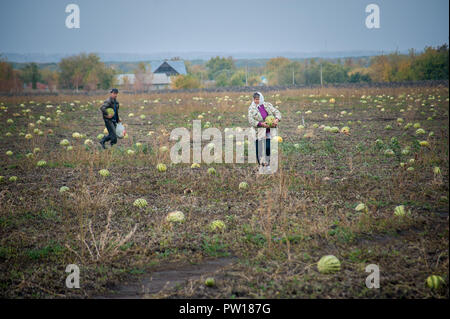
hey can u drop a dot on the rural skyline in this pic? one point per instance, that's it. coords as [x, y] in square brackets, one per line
[246, 28]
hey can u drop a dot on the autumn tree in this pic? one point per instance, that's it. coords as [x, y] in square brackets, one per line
[126, 83]
[139, 76]
[253, 80]
[76, 70]
[185, 82]
[275, 68]
[381, 68]
[9, 78]
[199, 71]
[92, 80]
[50, 78]
[432, 64]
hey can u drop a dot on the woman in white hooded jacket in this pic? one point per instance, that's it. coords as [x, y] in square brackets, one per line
[257, 113]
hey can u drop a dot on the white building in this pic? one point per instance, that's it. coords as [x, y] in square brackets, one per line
[159, 77]
[152, 81]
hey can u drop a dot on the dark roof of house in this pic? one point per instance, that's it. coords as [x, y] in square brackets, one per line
[177, 65]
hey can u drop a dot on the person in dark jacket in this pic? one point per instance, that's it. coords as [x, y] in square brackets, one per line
[110, 111]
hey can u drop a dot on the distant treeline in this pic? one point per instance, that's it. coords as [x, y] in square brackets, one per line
[83, 71]
[86, 72]
[432, 64]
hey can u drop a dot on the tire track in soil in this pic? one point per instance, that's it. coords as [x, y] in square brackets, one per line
[165, 279]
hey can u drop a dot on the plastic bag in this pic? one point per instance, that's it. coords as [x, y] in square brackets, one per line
[120, 130]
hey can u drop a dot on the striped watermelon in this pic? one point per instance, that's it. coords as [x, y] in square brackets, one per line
[329, 264]
[435, 282]
[161, 167]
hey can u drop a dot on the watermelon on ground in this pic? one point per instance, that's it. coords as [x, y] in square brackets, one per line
[329, 264]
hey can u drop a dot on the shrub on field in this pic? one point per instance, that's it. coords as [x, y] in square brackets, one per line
[185, 82]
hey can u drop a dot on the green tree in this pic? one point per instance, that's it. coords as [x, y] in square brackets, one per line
[311, 72]
[217, 65]
[222, 79]
[358, 77]
[106, 78]
[30, 74]
[238, 78]
[334, 73]
[291, 73]
[432, 64]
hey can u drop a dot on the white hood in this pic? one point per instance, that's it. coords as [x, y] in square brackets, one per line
[261, 100]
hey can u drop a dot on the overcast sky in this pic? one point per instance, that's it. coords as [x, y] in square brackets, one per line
[148, 26]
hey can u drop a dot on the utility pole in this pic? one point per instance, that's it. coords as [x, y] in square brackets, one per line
[321, 81]
[293, 77]
[246, 71]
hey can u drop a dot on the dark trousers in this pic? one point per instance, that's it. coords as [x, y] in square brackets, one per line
[111, 127]
[260, 148]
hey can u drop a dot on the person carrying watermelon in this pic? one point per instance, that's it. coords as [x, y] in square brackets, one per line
[110, 111]
[263, 114]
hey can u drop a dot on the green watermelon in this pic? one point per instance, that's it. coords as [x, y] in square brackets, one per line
[210, 282]
[161, 167]
[110, 111]
[435, 282]
[270, 120]
[329, 264]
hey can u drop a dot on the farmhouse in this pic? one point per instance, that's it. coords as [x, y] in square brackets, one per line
[150, 81]
[159, 77]
[124, 79]
[157, 81]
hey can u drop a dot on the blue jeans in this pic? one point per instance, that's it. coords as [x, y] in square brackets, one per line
[260, 147]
